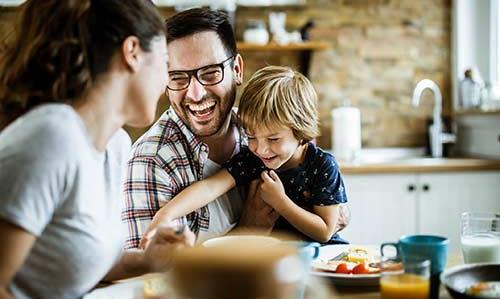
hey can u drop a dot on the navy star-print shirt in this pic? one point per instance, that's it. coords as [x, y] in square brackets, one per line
[315, 182]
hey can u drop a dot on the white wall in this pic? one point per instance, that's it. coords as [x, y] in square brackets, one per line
[473, 43]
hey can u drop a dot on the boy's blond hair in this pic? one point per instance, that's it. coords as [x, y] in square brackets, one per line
[278, 96]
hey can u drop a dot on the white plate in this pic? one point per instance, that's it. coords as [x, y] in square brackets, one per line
[331, 251]
[131, 288]
[124, 290]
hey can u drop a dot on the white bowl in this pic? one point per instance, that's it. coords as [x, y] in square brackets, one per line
[250, 240]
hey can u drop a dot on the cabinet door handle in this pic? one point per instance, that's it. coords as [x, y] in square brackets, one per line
[426, 187]
[411, 187]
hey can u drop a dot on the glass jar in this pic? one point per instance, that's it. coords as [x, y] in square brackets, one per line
[256, 32]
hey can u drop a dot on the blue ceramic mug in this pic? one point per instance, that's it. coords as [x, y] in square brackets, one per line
[415, 247]
[423, 247]
[307, 250]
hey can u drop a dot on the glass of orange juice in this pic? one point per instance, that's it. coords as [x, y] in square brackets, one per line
[408, 280]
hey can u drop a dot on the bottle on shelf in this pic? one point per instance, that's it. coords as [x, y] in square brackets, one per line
[470, 90]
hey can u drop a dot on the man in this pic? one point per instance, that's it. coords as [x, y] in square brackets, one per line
[196, 135]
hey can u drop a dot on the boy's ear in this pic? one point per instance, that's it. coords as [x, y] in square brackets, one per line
[238, 69]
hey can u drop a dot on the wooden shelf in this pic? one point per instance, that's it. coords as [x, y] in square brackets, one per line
[304, 46]
[9, 8]
[304, 49]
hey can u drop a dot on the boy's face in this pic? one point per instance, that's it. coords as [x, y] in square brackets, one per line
[204, 109]
[276, 147]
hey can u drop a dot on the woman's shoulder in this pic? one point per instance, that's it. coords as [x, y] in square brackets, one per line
[45, 130]
[120, 140]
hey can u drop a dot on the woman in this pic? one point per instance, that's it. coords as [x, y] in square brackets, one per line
[73, 75]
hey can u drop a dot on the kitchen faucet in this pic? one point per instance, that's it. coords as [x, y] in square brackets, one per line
[436, 134]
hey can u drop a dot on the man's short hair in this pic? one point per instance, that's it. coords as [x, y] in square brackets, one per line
[279, 96]
[198, 20]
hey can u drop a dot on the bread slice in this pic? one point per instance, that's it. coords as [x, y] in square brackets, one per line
[155, 286]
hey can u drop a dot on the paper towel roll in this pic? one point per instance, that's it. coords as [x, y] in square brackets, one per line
[346, 133]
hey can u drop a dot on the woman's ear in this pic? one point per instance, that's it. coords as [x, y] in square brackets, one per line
[238, 69]
[131, 53]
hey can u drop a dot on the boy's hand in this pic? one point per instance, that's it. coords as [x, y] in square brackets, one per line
[158, 220]
[272, 189]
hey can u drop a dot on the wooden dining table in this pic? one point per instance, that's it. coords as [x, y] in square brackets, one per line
[133, 288]
[370, 293]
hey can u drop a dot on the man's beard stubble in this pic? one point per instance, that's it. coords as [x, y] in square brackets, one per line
[226, 104]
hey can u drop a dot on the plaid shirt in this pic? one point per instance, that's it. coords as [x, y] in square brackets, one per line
[164, 161]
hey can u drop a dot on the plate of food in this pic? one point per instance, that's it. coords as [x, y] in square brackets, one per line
[348, 265]
[471, 281]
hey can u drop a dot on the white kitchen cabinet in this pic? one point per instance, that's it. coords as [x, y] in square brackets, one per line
[386, 206]
[444, 196]
[382, 207]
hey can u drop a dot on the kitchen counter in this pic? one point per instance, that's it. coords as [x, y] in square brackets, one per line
[416, 165]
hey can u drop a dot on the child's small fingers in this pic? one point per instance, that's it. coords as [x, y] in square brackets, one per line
[254, 184]
[142, 243]
[274, 175]
[265, 176]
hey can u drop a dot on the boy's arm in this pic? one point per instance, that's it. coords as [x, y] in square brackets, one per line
[197, 195]
[319, 225]
[191, 198]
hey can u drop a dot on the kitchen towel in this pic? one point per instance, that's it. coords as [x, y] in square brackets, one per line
[346, 133]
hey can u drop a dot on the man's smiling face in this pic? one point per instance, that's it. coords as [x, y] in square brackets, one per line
[202, 108]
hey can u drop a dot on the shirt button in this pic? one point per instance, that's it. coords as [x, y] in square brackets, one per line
[204, 148]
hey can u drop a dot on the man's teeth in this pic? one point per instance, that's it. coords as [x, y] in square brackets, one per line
[201, 107]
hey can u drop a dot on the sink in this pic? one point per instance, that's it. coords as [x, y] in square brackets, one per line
[391, 154]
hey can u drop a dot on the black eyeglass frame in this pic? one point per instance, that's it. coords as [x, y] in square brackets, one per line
[194, 73]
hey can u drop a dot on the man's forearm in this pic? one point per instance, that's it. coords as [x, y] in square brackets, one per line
[344, 217]
[131, 263]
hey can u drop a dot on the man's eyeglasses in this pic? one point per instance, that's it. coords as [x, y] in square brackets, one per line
[207, 75]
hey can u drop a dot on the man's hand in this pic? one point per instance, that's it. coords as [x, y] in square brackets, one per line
[165, 242]
[159, 220]
[156, 258]
[256, 213]
[344, 217]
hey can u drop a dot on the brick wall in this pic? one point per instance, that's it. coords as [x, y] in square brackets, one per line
[379, 50]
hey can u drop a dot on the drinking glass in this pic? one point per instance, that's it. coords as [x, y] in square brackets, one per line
[409, 279]
[480, 237]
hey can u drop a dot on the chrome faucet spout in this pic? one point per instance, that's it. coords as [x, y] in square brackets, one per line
[437, 137]
[419, 90]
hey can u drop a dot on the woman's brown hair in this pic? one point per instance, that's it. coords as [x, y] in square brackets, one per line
[61, 46]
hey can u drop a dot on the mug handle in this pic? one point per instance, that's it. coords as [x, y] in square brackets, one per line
[316, 247]
[395, 245]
